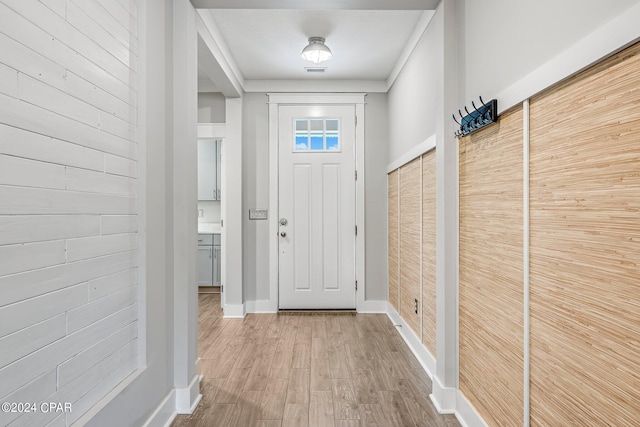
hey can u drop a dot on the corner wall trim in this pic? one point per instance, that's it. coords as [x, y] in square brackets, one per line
[187, 398]
[427, 361]
[234, 311]
[165, 413]
[444, 398]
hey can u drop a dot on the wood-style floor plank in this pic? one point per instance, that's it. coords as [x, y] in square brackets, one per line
[249, 408]
[301, 356]
[298, 389]
[344, 400]
[274, 398]
[296, 415]
[221, 414]
[299, 369]
[321, 409]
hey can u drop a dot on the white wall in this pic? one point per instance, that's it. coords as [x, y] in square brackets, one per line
[211, 107]
[504, 40]
[255, 164]
[69, 191]
[413, 96]
[232, 207]
[499, 43]
[376, 158]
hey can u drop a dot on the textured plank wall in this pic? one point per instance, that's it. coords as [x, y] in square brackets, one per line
[491, 275]
[429, 251]
[393, 227]
[410, 241]
[585, 248]
[68, 186]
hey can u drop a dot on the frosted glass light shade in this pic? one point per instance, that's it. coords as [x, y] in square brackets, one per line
[316, 51]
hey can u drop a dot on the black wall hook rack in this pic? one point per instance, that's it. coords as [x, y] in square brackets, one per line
[480, 117]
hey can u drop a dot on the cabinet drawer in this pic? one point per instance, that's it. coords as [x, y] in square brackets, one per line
[216, 239]
[205, 239]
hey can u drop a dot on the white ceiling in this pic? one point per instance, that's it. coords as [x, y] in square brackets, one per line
[264, 45]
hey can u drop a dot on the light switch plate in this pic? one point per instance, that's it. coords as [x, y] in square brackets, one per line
[258, 214]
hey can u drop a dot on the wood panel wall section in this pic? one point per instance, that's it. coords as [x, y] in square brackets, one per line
[393, 230]
[410, 243]
[491, 270]
[429, 251]
[69, 204]
[585, 248]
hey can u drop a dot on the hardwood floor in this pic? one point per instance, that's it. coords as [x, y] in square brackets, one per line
[298, 370]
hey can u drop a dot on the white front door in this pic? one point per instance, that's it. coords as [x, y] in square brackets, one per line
[316, 207]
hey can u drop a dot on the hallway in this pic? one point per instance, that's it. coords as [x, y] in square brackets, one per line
[300, 370]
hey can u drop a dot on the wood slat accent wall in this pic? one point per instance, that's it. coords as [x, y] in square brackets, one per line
[491, 270]
[393, 230]
[410, 241]
[68, 204]
[429, 251]
[585, 248]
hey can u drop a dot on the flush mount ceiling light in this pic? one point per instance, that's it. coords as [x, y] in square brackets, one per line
[316, 51]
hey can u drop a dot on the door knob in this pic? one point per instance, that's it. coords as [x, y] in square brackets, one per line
[283, 222]
[283, 234]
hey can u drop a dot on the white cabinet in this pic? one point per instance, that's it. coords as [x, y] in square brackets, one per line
[209, 260]
[205, 265]
[209, 156]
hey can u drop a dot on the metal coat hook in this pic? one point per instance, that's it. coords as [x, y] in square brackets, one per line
[476, 119]
[480, 121]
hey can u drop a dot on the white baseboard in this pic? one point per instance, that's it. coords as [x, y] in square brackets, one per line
[371, 306]
[425, 358]
[165, 413]
[267, 306]
[466, 413]
[187, 398]
[234, 311]
[261, 306]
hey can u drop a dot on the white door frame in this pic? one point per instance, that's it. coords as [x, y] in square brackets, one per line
[275, 100]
